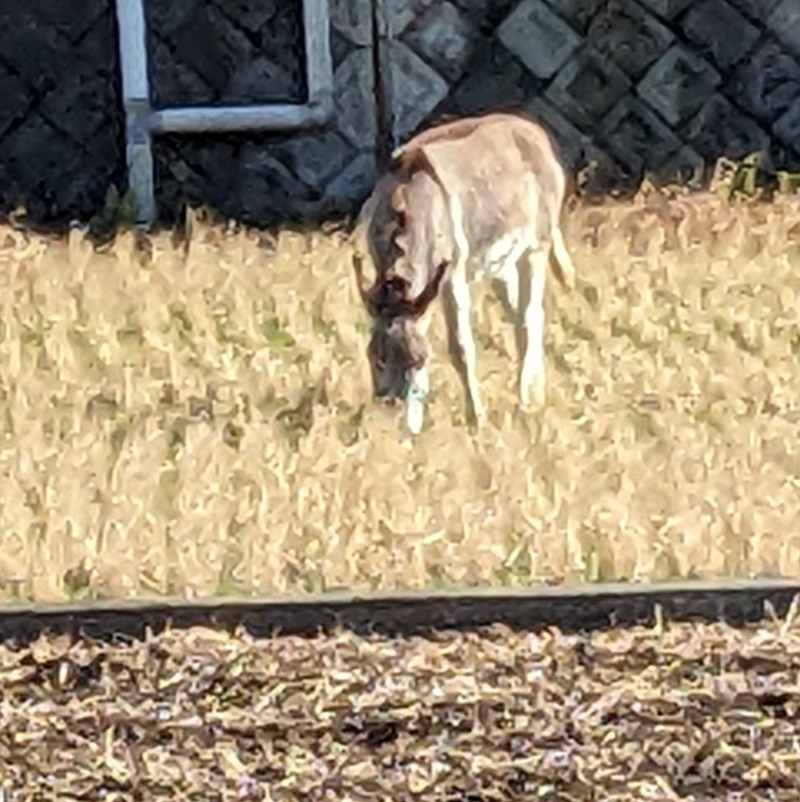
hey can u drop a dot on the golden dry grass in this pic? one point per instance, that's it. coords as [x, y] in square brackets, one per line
[668, 445]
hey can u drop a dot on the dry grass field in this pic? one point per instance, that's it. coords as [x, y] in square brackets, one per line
[200, 422]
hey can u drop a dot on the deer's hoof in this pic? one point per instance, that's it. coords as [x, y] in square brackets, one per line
[415, 415]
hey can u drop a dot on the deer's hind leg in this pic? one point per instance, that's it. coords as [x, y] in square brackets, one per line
[514, 277]
[532, 270]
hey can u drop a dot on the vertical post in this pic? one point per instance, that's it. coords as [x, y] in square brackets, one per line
[382, 83]
[136, 97]
[319, 63]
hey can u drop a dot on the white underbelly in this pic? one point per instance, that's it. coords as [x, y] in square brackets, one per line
[500, 257]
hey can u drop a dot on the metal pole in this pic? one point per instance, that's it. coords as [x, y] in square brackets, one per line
[274, 117]
[319, 63]
[136, 98]
[142, 121]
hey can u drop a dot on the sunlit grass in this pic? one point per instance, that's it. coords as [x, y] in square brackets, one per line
[202, 423]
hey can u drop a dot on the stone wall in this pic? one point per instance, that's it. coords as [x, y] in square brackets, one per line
[241, 51]
[632, 85]
[61, 134]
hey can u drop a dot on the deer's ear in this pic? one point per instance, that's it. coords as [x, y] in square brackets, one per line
[421, 303]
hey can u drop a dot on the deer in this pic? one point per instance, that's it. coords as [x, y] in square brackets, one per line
[472, 199]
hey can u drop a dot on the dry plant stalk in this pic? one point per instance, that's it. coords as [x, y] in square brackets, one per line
[199, 421]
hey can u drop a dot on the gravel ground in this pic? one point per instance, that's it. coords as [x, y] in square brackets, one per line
[680, 712]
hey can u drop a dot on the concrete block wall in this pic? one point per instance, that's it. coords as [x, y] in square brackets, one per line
[633, 85]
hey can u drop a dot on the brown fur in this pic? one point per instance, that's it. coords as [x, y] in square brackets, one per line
[451, 197]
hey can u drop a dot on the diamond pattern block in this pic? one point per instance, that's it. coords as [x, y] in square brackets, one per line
[631, 86]
[640, 85]
[257, 56]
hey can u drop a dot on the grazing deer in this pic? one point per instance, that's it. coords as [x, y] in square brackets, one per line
[479, 197]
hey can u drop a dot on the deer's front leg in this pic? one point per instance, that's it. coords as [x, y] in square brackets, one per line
[461, 343]
[418, 387]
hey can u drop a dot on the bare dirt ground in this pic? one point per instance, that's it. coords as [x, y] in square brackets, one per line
[202, 423]
[681, 712]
